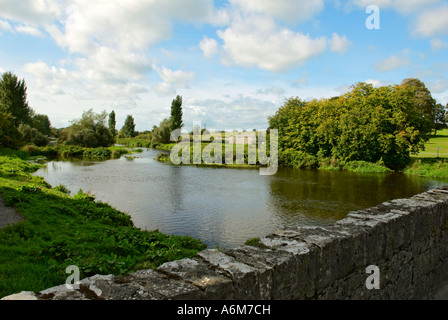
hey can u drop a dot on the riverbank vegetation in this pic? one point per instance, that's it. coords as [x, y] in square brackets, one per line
[61, 230]
[384, 124]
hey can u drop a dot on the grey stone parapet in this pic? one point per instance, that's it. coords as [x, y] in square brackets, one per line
[406, 239]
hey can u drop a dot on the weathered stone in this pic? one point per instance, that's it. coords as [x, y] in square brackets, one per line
[163, 287]
[24, 295]
[198, 273]
[244, 277]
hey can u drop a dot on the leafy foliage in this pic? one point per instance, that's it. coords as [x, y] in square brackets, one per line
[112, 124]
[366, 124]
[176, 114]
[162, 133]
[90, 131]
[13, 99]
[9, 135]
[32, 135]
[128, 129]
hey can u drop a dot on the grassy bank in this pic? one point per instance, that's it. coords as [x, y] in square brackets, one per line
[70, 152]
[60, 230]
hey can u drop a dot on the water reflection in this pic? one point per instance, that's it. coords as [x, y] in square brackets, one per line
[319, 197]
[225, 207]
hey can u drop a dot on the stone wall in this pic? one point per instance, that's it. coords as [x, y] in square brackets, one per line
[406, 239]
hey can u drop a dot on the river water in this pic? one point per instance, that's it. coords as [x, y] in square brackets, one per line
[224, 207]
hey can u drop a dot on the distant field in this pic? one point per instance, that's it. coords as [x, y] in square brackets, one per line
[440, 140]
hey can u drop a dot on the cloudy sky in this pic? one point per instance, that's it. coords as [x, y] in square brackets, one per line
[234, 62]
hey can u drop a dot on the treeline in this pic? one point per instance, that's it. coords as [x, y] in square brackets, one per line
[20, 125]
[384, 125]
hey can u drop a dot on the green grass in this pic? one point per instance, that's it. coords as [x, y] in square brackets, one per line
[428, 167]
[68, 152]
[60, 230]
[440, 140]
[433, 161]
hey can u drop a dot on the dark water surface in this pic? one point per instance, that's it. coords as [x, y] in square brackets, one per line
[225, 207]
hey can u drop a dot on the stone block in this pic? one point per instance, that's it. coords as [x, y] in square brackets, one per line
[215, 286]
[245, 278]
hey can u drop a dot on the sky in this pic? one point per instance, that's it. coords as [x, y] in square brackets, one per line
[234, 62]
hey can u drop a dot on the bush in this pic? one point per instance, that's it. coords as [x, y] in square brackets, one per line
[97, 153]
[31, 135]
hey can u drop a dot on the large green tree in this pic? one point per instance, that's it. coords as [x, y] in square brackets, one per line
[128, 129]
[176, 121]
[89, 131]
[13, 99]
[366, 124]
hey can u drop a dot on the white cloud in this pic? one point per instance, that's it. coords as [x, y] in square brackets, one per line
[298, 83]
[30, 30]
[178, 78]
[377, 83]
[339, 44]
[172, 81]
[438, 44]
[164, 89]
[99, 77]
[243, 112]
[391, 63]
[4, 26]
[432, 21]
[402, 6]
[438, 86]
[106, 65]
[258, 42]
[287, 10]
[40, 12]
[209, 47]
[276, 91]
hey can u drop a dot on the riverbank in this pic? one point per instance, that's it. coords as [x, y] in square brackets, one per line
[432, 162]
[60, 230]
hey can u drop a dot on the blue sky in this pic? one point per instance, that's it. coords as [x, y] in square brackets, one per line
[234, 62]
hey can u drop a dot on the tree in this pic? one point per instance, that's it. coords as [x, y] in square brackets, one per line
[176, 114]
[440, 118]
[41, 123]
[9, 136]
[423, 99]
[112, 124]
[32, 135]
[366, 124]
[128, 129]
[13, 99]
[162, 133]
[89, 131]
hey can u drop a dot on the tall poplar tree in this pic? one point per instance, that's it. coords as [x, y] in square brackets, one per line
[128, 130]
[112, 123]
[176, 114]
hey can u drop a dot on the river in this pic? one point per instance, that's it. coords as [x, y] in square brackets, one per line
[224, 207]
